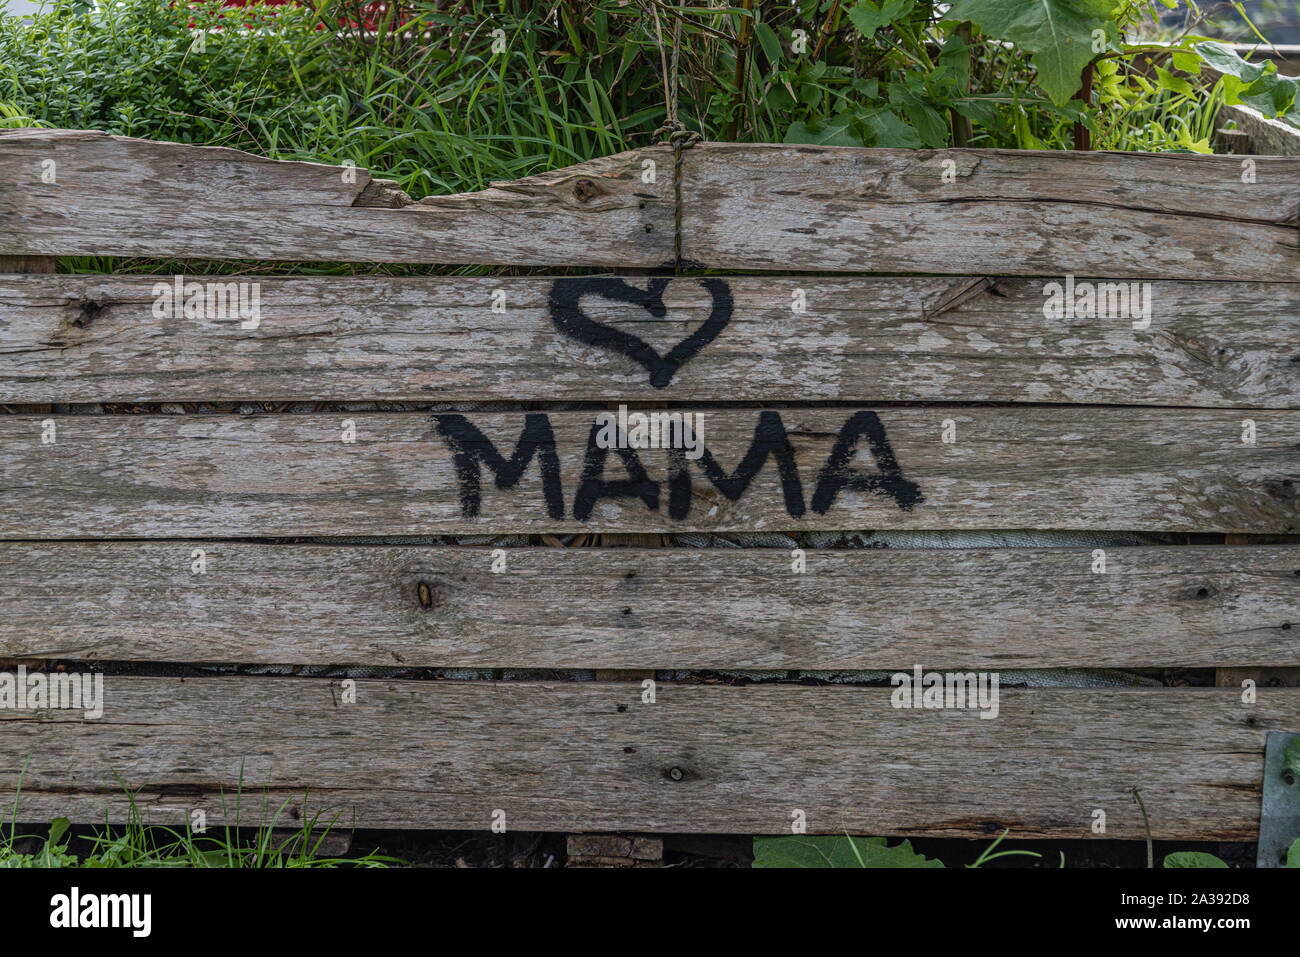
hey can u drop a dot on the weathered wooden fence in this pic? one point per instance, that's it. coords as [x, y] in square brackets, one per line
[963, 340]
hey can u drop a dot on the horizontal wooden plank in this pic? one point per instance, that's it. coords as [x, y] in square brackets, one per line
[79, 338]
[582, 756]
[1157, 216]
[1003, 212]
[669, 608]
[182, 476]
[114, 195]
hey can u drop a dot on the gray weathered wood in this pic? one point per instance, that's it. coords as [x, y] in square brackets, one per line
[119, 196]
[592, 757]
[28, 264]
[677, 608]
[81, 338]
[180, 476]
[1008, 212]
[1262, 134]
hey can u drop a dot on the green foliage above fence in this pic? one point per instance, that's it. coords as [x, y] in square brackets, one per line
[450, 101]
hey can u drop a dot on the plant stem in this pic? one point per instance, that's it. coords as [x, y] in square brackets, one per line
[962, 131]
[1082, 138]
[743, 33]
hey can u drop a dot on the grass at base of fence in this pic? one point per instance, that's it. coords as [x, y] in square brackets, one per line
[142, 845]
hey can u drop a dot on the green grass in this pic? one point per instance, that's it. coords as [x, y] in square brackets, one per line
[498, 90]
[139, 844]
[446, 114]
[442, 106]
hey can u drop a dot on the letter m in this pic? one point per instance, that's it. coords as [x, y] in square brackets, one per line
[472, 449]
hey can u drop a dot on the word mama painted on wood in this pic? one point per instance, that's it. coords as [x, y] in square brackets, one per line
[473, 450]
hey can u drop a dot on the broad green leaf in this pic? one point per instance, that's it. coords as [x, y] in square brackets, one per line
[58, 827]
[1271, 95]
[889, 129]
[781, 96]
[1187, 61]
[869, 17]
[1175, 84]
[836, 851]
[810, 94]
[1192, 859]
[1225, 59]
[1293, 855]
[976, 109]
[1058, 33]
[869, 87]
[932, 127]
[830, 134]
[770, 44]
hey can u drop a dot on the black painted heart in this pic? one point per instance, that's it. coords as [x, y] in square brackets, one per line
[567, 315]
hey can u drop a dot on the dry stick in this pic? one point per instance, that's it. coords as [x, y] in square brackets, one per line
[663, 62]
[702, 27]
[832, 15]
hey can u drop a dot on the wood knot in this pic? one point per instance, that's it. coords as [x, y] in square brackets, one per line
[585, 190]
[1283, 490]
[88, 311]
[428, 595]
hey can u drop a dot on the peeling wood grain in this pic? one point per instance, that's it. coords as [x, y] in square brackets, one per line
[592, 757]
[416, 606]
[1007, 212]
[129, 197]
[864, 340]
[1155, 216]
[148, 476]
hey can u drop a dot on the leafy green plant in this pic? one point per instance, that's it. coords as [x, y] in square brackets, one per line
[1258, 86]
[841, 851]
[988, 853]
[1197, 859]
[836, 851]
[439, 104]
[1062, 36]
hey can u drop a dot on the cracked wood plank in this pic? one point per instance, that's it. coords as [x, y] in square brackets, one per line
[181, 476]
[119, 196]
[96, 338]
[1153, 216]
[628, 608]
[1006, 212]
[582, 756]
